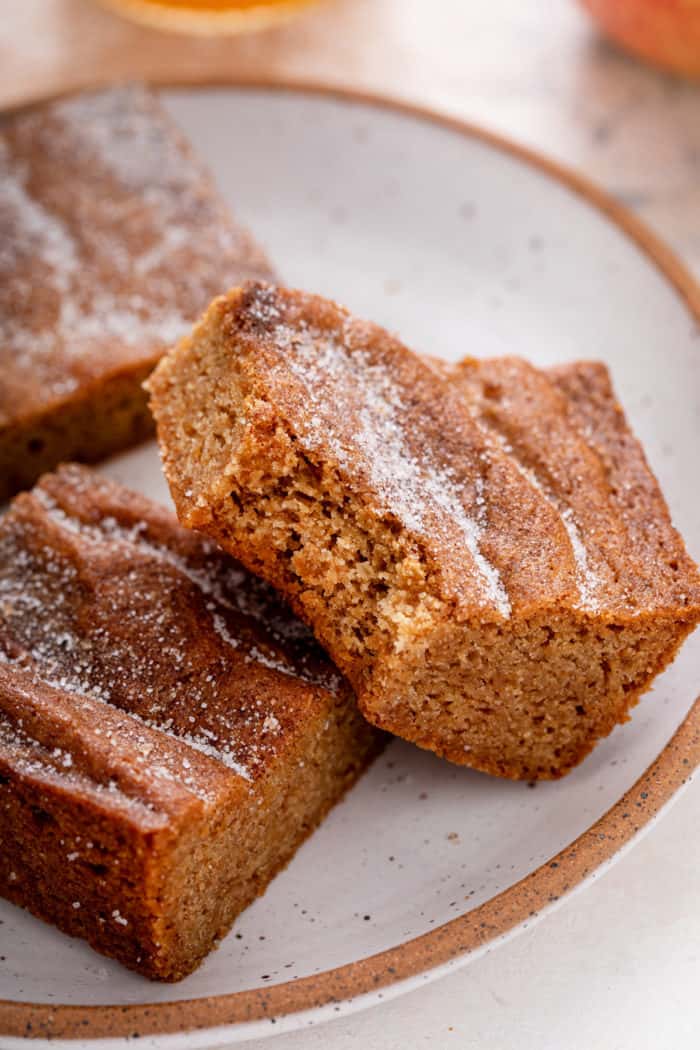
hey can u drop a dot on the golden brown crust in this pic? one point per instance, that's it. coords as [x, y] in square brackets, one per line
[569, 436]
[468, 556]
[100, 270]
[169, 732]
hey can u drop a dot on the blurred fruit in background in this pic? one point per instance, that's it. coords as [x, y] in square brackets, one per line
[665, 32]
[209, 16]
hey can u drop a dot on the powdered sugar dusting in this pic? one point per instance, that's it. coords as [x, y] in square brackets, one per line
[233, 589]
[43, 233]
[111, 239]
[585, 577]
[100, 609]
[32, 759]
[405, 485]
[86, 310]
[587, 580]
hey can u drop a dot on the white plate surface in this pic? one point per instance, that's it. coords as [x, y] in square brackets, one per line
[461, 248]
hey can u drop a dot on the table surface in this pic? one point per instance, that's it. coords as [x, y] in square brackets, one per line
[617, 966]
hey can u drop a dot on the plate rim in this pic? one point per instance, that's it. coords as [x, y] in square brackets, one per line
[531, 896]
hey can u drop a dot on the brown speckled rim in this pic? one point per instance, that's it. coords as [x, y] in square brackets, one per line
[515, 906]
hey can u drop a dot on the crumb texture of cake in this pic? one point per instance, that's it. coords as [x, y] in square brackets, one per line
[482, 549]
[170, 733]
[113, 240]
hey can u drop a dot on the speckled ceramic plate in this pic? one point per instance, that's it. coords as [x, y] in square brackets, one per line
[463, 244]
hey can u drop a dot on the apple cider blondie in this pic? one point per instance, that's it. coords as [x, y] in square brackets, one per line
[113, 239]
[482, 550]
[170, 733]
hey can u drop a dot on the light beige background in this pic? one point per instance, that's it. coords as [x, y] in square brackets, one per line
[534, 70]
